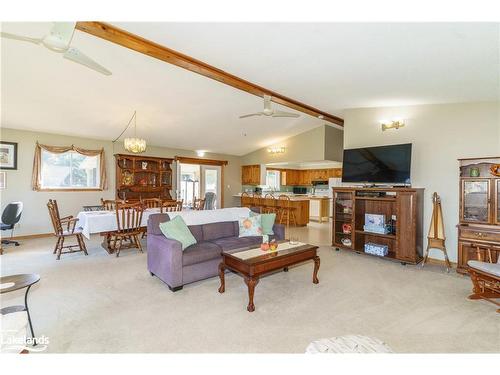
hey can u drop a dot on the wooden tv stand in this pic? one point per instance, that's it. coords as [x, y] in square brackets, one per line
[352, 203]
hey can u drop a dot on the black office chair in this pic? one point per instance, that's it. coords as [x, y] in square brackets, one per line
[10, 217]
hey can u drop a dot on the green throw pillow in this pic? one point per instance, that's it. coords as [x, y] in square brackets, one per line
[176, 229]
[267, 222]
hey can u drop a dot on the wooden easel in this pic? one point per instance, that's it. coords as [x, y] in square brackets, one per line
[436, 237]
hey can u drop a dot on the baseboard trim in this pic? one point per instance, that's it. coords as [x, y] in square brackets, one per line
[440, 262]
[29, 236]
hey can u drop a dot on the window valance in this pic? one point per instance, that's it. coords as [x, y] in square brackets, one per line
[37, 163]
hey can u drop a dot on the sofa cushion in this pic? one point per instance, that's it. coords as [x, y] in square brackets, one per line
[154, 221]
[232, 243]
[176, 229]
[200, 252]
[267, 222]
[197, 232]
[213, 231]
[250, 226]
[491, 268]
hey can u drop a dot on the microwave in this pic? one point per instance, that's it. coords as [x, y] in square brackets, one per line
[299, 190]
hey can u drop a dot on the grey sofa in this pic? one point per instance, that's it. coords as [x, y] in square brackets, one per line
[175, 267]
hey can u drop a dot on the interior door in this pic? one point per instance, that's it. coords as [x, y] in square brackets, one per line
[211, 181]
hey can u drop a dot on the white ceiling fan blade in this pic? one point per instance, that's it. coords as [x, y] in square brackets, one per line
[252, 114]
[284, 114]
[267, 103]
[75, 55]
[21, 38]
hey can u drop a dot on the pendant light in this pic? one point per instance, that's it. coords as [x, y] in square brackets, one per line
[133, 144]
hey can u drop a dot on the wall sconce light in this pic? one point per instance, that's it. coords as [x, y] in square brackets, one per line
[276, 150]
[393, 124]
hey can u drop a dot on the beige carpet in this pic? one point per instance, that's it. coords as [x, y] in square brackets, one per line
[103, 304]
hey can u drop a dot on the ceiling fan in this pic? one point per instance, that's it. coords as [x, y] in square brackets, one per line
[59, 40]
[268, 111]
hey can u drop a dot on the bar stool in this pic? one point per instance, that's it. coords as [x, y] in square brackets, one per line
[246, 200]
[258, 202]
[286, 212]
[269, 204]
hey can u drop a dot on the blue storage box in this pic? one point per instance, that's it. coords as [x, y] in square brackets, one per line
[376, 249]
[376, 229]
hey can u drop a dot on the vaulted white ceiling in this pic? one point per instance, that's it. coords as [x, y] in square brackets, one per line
[328, 66]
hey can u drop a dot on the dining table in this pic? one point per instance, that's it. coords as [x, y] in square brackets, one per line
[103, 222]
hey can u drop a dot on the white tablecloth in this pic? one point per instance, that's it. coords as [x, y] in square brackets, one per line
[105, 221]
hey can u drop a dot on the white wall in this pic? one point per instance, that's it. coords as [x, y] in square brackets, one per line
[35, 218]
[306, 146]
[440, 135]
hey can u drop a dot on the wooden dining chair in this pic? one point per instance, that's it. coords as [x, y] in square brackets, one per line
[128, 222]
[169, 206]
[110, 204]
[65, 227]
[152, 203]
[198, 204]
[180, 204]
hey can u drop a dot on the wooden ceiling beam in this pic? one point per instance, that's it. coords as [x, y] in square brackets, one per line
[134, 42]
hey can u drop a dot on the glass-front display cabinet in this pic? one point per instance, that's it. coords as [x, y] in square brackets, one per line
[476, 202]
[479, 226]
[343, 218]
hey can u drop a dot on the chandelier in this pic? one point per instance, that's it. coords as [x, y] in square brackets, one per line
[133, 144]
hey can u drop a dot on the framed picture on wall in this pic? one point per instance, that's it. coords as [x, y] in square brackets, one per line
[3, 180]
[8, 155]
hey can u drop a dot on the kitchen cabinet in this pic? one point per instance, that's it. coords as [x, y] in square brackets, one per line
[251, 174]
[293, 177]
[305, 177]
[334, 172]
[289, 177]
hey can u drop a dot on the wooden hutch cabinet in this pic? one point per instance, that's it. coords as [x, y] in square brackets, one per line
[141, 177]
[479, 226]
[405, 205]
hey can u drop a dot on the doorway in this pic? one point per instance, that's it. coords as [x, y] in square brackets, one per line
[195, 180]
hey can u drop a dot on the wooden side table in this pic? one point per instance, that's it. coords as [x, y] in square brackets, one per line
[16, 282]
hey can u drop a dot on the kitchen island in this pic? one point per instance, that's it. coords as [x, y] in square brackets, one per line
[300, 203]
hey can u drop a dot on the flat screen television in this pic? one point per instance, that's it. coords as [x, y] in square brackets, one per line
[378, 165]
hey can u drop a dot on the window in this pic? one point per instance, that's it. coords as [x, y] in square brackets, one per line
[69, 170]
[273, 180]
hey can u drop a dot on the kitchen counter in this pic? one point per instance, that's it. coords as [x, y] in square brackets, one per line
[293, 197]
[300, 204]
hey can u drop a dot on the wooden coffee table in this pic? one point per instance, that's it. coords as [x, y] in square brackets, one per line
[251, 263]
